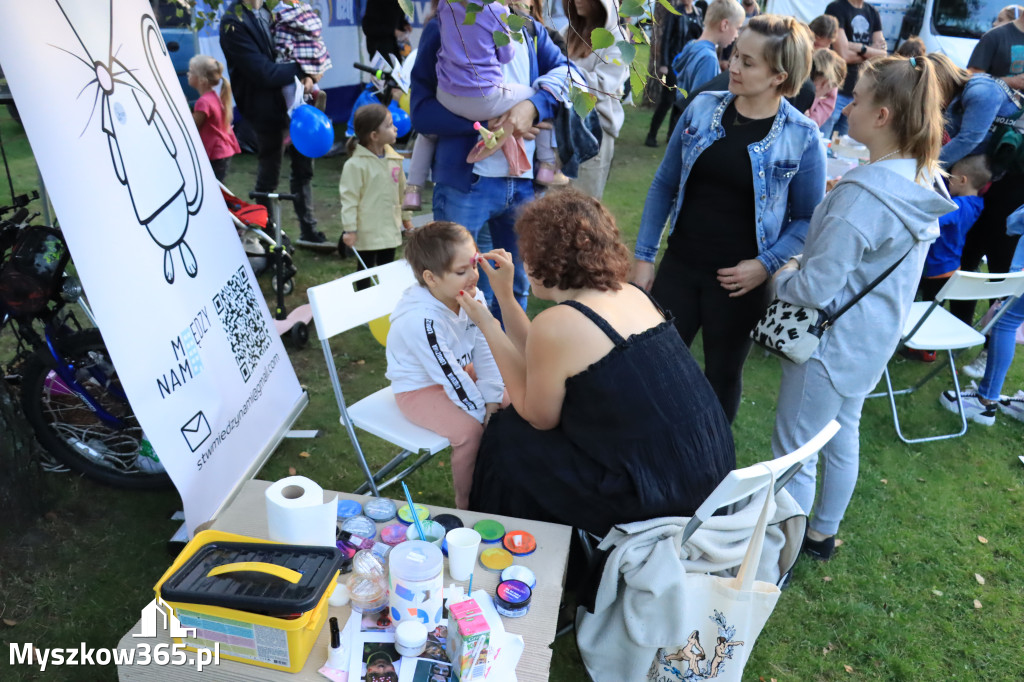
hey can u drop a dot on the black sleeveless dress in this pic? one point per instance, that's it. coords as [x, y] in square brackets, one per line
[642, 435]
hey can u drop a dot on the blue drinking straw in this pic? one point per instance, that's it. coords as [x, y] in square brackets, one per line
[412, 511]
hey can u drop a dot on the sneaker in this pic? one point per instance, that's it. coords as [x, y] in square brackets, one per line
[820, 550]
[975, 410]
[412, 201]
[918, 354]
[976, 370]
[1013, 406]
[651, 141]
[550, 176]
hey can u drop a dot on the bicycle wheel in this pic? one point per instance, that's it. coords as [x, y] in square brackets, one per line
[70, 430]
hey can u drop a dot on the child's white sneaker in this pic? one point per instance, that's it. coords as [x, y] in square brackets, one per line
[1013, 406]
[975, 410]
[976, 370]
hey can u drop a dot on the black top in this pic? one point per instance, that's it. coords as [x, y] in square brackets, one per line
[677, 31]
[858, 23]
[715, 227]
[256, 78]
[1000, 52]
[641, 436]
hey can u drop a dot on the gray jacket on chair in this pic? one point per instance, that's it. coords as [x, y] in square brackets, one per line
[641, 601]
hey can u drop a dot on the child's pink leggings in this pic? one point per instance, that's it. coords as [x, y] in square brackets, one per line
[432, 409]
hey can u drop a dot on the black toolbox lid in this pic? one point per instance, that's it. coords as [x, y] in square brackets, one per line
[249, 586]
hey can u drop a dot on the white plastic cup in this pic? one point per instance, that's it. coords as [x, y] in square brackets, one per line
[463, 544]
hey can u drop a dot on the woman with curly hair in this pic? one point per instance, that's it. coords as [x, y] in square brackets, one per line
[611, 419]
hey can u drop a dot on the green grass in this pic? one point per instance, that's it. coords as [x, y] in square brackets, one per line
[82, 572]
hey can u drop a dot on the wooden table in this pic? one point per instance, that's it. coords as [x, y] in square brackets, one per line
[246, 515]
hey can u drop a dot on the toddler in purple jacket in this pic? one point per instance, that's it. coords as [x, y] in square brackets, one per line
[470, 84]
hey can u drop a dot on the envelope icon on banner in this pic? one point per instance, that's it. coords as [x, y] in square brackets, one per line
[196, 430]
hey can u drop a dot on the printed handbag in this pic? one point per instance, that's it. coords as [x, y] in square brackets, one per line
[790, 331]
[794, 331]
[723, 618]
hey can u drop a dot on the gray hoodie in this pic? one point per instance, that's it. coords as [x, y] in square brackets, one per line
[429, 345]
[872, 217]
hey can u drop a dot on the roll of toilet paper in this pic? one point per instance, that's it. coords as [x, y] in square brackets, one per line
[299, 514]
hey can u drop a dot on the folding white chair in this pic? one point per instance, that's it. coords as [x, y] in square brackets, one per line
[931, 327]
[741, 484]
[337, 308]
[731, 495]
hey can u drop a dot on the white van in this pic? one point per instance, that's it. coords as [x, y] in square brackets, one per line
[948, 26]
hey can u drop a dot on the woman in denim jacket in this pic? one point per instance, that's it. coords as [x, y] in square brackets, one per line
[972, 105]
[739, 211]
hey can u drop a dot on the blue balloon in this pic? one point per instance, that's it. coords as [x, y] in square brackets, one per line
[311, 131]
[401, 119]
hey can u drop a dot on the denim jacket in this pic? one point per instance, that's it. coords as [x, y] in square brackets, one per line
[789, 178]
[971, 115]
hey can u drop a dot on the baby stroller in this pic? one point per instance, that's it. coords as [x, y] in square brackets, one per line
[260, 244]
[268, 248]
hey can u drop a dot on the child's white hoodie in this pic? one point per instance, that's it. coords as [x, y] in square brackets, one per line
[430, 345]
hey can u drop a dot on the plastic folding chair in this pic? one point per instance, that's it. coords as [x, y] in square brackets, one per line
[931, 327]
[337, 308]
[734, 491]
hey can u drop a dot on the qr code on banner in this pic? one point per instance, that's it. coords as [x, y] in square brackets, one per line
[241, 313]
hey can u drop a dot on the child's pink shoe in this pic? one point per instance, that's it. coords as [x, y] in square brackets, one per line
[412, 201]
[550, 176]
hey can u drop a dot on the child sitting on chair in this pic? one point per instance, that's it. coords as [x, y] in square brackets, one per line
[440, 367]
[966, 178]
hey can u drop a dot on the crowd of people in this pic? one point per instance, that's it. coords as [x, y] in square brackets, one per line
[598, 396]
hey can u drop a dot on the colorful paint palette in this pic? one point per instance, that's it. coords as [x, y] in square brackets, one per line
[490, 530]
[519, 542]
[349, 508]
[495, 559]
[405, 516]
[379, 509]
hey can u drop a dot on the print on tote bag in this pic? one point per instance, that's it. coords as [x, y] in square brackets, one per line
[694, 660]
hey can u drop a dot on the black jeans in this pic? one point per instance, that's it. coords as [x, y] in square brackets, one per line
[372, 260]
[699, 302]
[268, 174]
[988, 236]
[666, 101]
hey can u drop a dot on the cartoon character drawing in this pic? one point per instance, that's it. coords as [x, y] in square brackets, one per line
[723, 650]
[692, 653]
[663, 670]
[164, 182]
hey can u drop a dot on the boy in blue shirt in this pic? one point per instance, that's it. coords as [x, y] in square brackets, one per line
[966, 178]
[698, 62]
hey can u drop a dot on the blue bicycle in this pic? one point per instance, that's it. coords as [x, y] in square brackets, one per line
[70, 391]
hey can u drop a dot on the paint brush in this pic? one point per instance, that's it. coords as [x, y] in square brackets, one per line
[413, 513]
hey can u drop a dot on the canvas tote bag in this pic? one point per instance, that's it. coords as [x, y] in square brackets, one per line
[723, 618]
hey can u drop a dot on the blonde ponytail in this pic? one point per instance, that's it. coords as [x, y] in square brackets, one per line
[212, 71]
[910, 90]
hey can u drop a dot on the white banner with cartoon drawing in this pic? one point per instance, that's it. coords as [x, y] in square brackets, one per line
[151, 238]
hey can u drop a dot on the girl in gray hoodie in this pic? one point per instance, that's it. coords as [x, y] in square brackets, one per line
[875, 215]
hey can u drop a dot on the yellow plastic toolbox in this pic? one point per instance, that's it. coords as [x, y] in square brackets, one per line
[262, 602]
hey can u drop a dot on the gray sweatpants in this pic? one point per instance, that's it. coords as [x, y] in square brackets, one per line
[807, 402]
